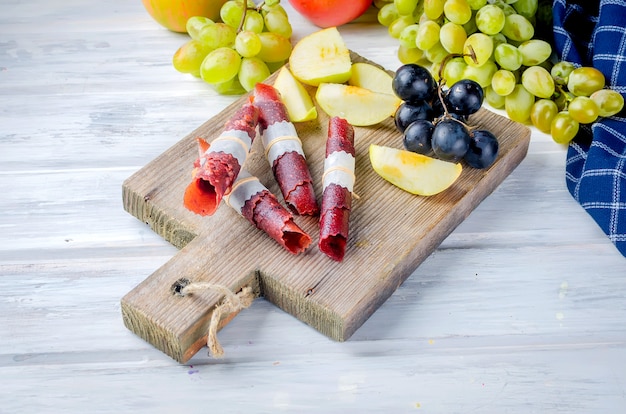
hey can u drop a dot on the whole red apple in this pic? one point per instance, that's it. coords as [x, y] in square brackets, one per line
[173, 14]
[328, 13]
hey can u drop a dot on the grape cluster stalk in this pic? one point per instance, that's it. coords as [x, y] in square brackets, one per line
[505, 47]
[248, 44]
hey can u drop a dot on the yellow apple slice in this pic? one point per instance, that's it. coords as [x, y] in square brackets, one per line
[321, 57]
[358, 106]
[371, 77]
[299, 104]
[412, 172]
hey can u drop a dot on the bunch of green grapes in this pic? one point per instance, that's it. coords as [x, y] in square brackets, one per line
[244, 48]
[501, 46]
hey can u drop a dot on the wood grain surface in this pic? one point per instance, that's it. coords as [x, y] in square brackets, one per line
[391, 233]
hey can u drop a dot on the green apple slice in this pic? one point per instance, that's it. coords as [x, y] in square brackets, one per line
[321, 57]
[358, 106]
[412, 172]
[294, 95]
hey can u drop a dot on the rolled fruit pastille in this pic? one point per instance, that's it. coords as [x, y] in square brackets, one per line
[221, 161]
[250, 198]
[338, 185]
[284, 151]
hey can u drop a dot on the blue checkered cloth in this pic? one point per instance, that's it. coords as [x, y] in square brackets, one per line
[593, 33]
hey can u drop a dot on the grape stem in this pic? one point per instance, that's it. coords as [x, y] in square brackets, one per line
[442, 81]
[245, 11]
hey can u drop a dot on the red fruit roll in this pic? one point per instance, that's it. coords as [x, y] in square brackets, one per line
[220, 161]
[250, 198]
[283, 150]
[338, 184]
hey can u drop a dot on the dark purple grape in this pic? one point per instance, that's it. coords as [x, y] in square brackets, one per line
[450, 140]
[409, 112]
[413, 83]
[465, 97]
[437, 105]
[417, 136]
[483, 149]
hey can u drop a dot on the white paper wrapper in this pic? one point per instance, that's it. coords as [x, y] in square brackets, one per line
[243, 189]
[279, 138]
[339, 169]
[233, 142]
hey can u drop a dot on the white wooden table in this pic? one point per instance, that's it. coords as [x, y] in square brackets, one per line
[522, 309]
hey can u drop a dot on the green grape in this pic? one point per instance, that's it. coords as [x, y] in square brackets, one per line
[542, 113]
[427, 35]
[379, 4]
[493, 99]
[503, 82]
[436, 54]
[189, 57]
[535, 52]
[252, 71]
[271, 3]
[498, 39]
[518, 28]
[609, 102]
[562, 98]
[481, 74]
[220, 65]
[527, 8]
[274, 47]
[277, 22]
[538, 81]
[408, 35]
[454, 70]
[482, 46]
[584, 81]
[470, 27]
[490, 19]
[195, 24]
[405, 7]
[508, 56]
[560, 72]
[255, 23]
[229, 87]
[231, 13]
[506, 8]
[457, 11]
[397, 26]
[387, 14]
[433, 9]
[476, 4]
[274, 66]
[409, 54]
[518, 104]
[217, 35]
[452, 37]
[247, 43]
[583, 110]
[563, 128]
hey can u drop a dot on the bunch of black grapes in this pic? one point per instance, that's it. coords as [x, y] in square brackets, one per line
[434, 120]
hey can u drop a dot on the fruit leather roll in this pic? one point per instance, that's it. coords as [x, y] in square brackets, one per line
[338, 184]
[219, 163]
[250, 198]
[284, 151]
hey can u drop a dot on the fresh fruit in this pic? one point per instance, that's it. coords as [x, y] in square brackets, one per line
[483, 149]
[295, 97]
[465, 97]
[413, 83]
[173, 14]
[450, 140]
[359, 106]
[248, 44]
[418, 136]
[324, 13]
[412, 172]
[321, 57]
[408, 113]
[371, 77]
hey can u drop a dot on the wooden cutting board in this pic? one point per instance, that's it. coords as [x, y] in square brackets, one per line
[391, 233]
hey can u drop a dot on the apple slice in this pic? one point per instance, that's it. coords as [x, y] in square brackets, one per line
[412, 172]
[358, 106]
[299, 104]
[321, 57]
[371, 77]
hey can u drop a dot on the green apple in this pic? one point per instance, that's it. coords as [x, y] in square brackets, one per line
[358, 106]
[412, 172]
[294, 95]
[321, 57]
